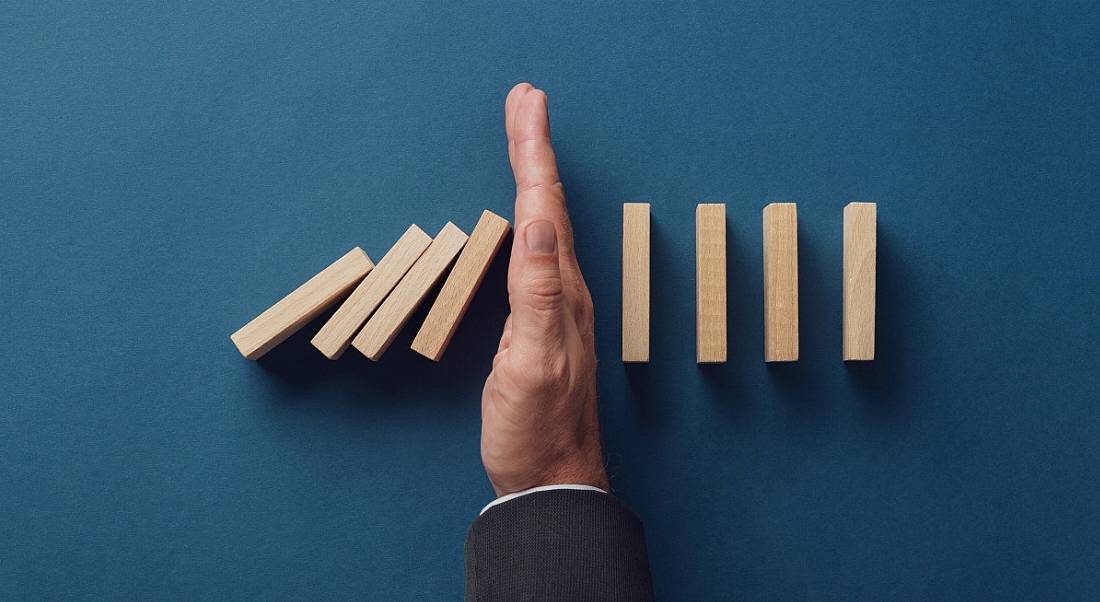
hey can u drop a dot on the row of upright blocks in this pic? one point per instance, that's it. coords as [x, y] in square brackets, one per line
[780, 236]
[381, 298]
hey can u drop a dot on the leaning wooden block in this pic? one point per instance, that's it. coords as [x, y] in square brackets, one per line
[457, 292]
[383, 326]
[780, 282]
[860, 248]
[335, 336]
[710, 283]
[635, 282]
[302, 305]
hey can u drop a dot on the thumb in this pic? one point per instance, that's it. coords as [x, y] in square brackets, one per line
[536, 292]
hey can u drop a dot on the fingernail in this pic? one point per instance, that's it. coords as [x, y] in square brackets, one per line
[541, 237]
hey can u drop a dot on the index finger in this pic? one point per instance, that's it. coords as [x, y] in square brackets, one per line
[539, 191]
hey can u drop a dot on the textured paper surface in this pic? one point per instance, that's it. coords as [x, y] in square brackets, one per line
[168, 168]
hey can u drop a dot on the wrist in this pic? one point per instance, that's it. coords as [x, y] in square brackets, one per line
[587, 469]
[589, 472]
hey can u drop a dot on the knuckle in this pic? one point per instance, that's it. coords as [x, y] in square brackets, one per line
[544, 376]
[543, 292]
[544, 184]
[586, 302]
[555, 372]
[582, 306]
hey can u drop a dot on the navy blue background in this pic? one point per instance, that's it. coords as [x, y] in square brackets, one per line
[168, 170]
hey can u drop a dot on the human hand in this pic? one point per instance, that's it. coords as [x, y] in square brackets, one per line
[539, 422]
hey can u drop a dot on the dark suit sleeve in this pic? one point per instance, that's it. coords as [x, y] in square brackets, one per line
[557, 545]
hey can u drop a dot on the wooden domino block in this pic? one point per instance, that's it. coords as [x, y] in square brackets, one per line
[710, 283]
[860, 248]
[383, 326]
[781, 282]
[635, 282]
[293, 311]
[458, 290]
[335, 336]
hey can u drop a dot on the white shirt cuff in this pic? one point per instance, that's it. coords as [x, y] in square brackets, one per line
[512, 496]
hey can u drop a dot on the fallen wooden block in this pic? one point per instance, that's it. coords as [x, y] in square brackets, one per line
[335, 336]
[635, 282]
[458, 290]
[303, 304]
[710, 283]
[387, 321]
[860, 248]
[780, 282]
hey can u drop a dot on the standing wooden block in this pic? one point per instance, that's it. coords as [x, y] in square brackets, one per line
[335, 336]
[457, 292]
[860, 249]
[384, 325]
[781, 282]
[635, 282]
[293, 311]
[710, 283]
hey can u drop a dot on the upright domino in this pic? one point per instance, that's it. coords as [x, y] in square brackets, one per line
[335, 336]
[293, 311]
[635, 282]
[387, 321]
[710, 283]
[780, 282]
[458, 290]
[860, 249]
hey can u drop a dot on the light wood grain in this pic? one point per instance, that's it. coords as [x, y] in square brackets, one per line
[295, 310]
[636, 282]
[860, 250]
[335, 336]
[710, 283]
[781, 282]
[461, 285]
[383, 326]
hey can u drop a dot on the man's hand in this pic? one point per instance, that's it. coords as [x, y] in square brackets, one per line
[538, 409]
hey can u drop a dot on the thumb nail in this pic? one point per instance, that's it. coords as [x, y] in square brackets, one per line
[541, 237]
